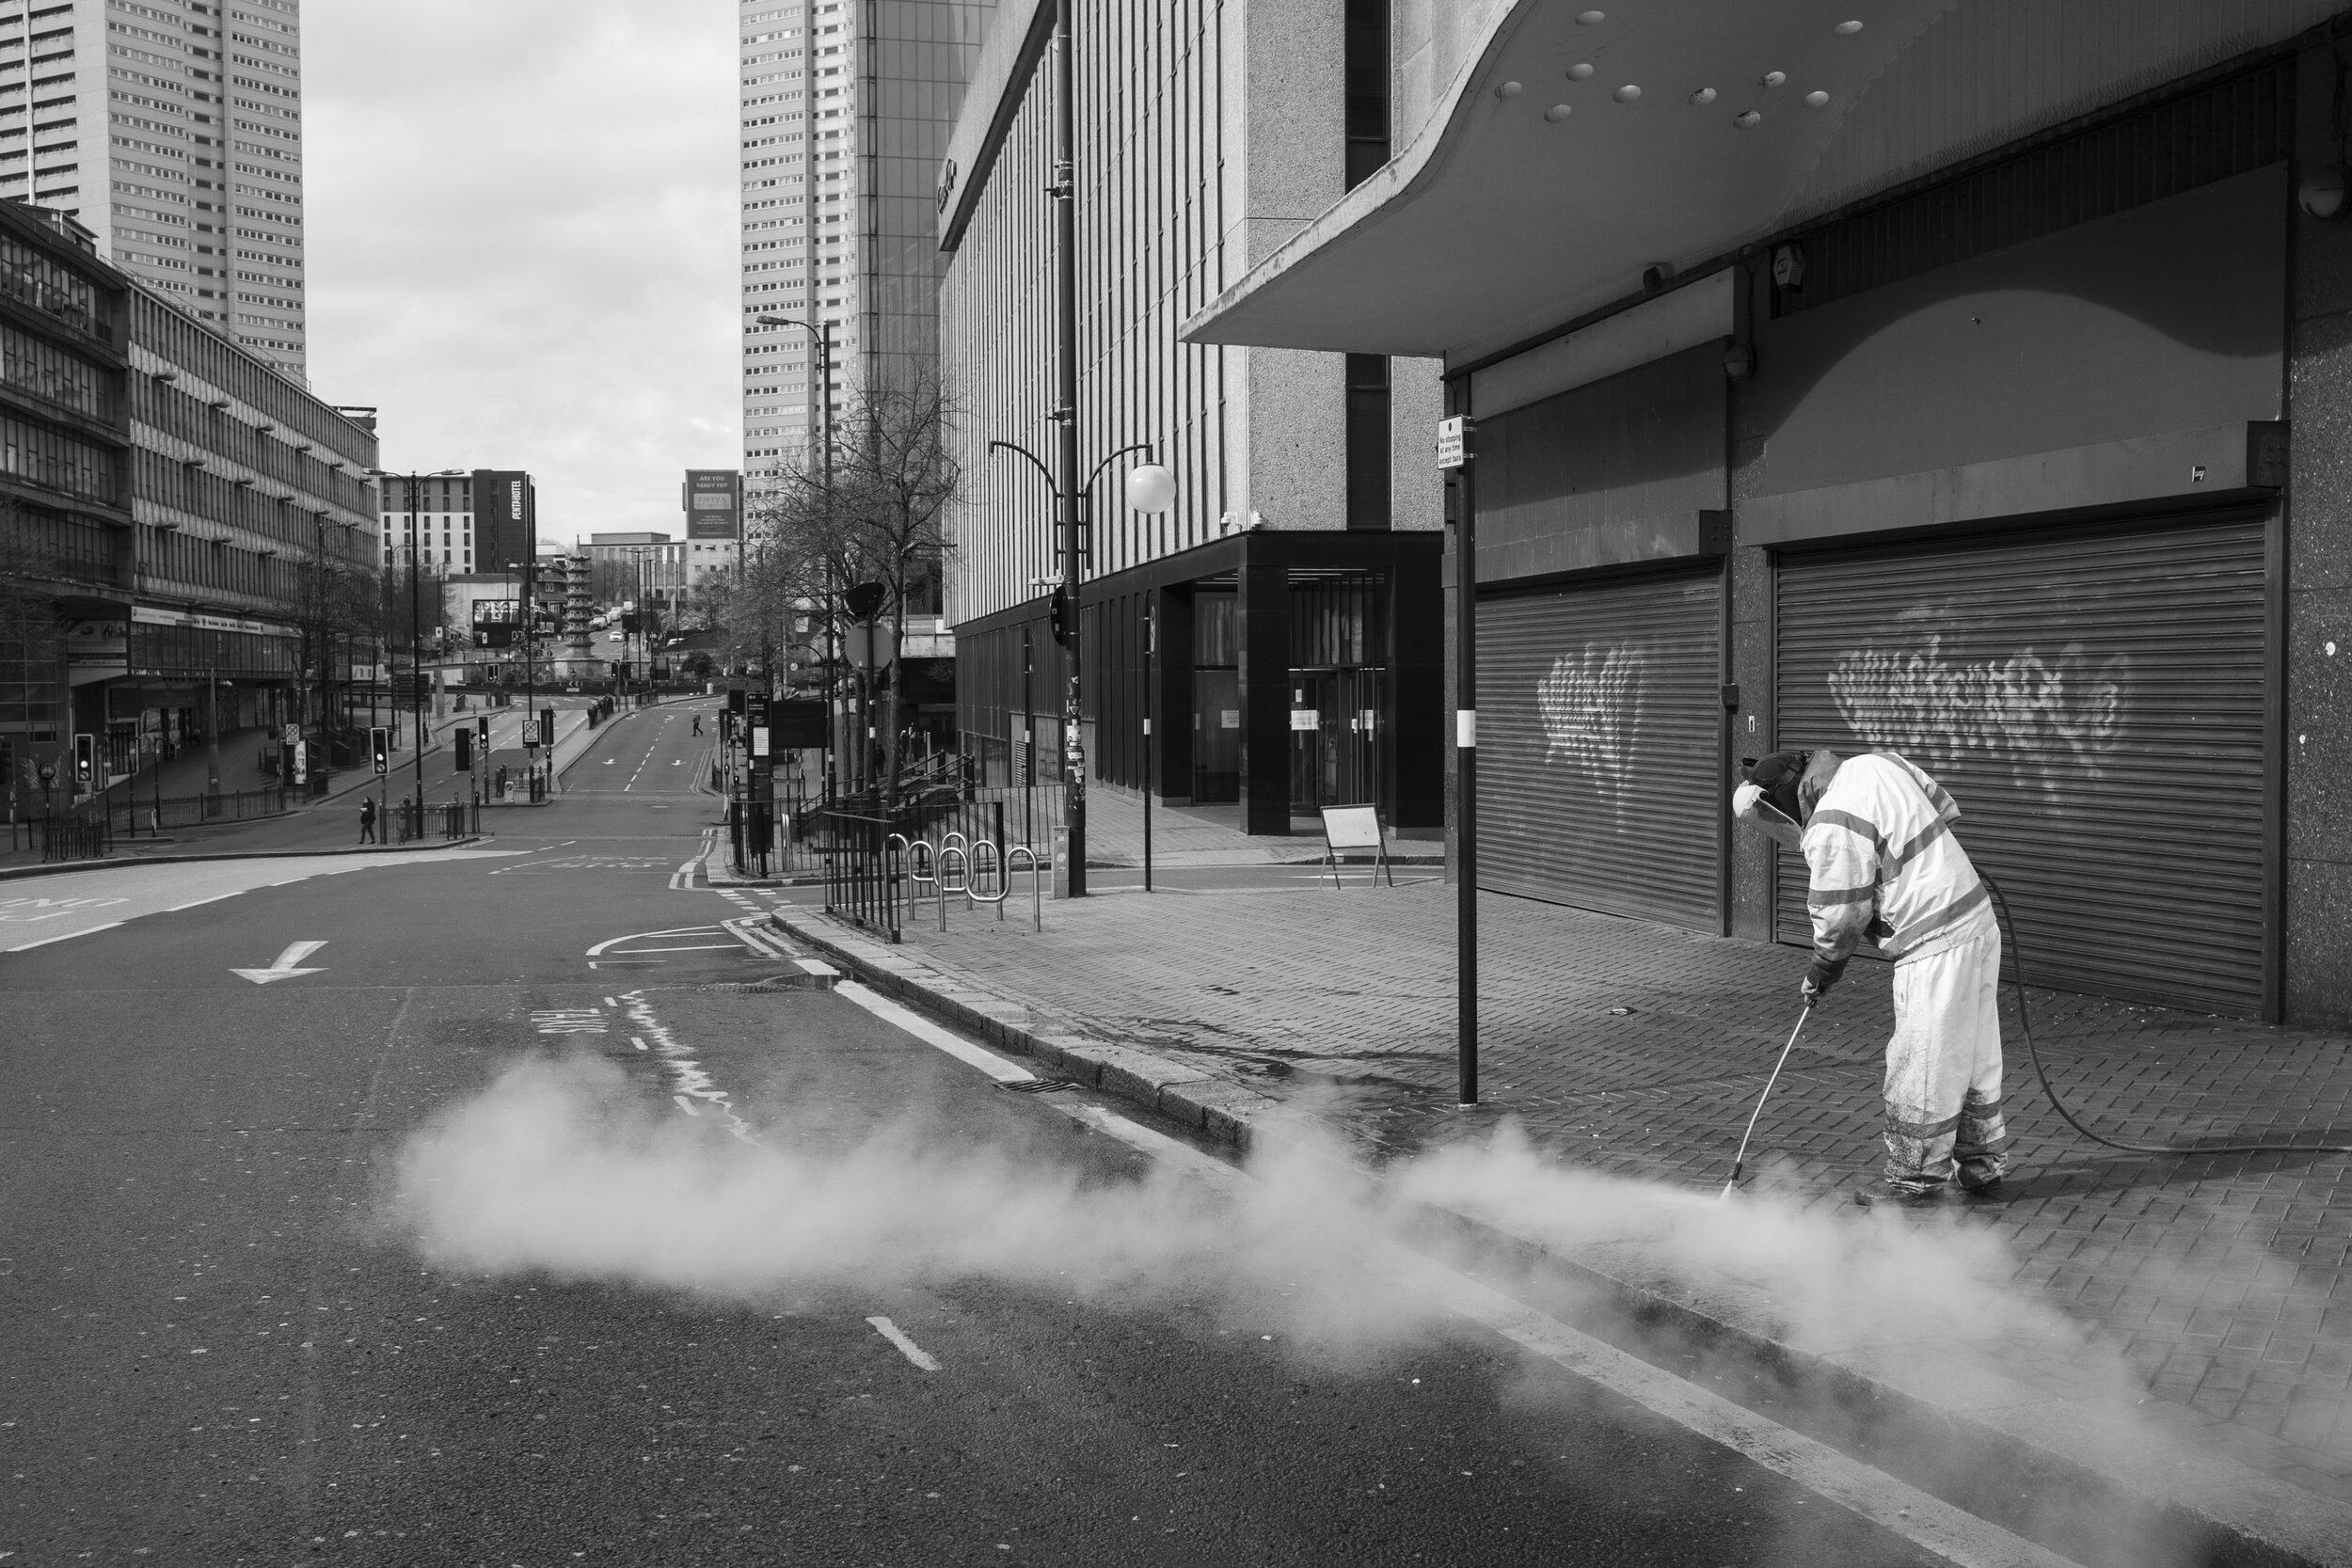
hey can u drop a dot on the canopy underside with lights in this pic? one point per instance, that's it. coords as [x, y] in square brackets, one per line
[1580, 147]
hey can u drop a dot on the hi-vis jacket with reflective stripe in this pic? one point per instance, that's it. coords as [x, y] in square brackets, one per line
[1883, 861]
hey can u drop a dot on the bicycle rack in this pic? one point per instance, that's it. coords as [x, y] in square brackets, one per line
[987, 866]
[1002, 868]
[914, 873]
[961, 847]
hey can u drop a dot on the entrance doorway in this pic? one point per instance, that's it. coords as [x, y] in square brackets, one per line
[1217, 735]
[1336, 736]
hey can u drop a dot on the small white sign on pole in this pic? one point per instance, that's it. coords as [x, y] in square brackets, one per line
[1453, 442]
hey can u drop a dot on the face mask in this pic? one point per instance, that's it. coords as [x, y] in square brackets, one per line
[1776, 776]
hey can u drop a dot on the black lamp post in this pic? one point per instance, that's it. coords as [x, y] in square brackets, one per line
[416, 658]
[1150, 489]
[531, 689]
[820, 335]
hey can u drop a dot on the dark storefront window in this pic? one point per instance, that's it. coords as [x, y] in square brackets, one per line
[1339, 693]
[1216, 717]
[1368, 458]
[1366, 71]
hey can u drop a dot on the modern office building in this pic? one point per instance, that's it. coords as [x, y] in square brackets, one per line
[846, 107]
[482, 520]
[1293, 584]
[170, 505]
[1975, 397]
[647, 567]
[172, 131]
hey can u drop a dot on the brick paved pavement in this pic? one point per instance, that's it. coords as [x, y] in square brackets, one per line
[1638, 1050]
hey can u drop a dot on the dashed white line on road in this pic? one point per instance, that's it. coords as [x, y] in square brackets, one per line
[85, 931]
[201, 902]
[907, 1347]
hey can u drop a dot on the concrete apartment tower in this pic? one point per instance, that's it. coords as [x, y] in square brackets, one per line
[172, 131]
[846, 107]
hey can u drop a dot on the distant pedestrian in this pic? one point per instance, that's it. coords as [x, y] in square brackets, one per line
[698, 723]
[366, 821]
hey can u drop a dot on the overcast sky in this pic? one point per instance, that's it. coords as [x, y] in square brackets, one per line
[522, 244]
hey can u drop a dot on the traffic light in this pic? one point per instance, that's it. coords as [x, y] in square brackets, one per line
[482, 734]
[464, 737]
[85, 761]
[1063, 628]
[546, 727]
[735, 699]
[380, 749]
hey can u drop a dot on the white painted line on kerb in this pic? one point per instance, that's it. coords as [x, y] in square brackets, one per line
[1897, 1507]
[85, 931]
[907, 1347]
[932, 1034]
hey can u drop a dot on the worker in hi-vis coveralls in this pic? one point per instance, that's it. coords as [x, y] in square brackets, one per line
[1876, 833]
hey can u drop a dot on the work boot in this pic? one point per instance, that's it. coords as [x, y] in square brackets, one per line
[1985, 1192]
[1899, 1195]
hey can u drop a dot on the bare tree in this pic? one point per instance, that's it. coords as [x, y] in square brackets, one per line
[334, 595]
[895, 472]
[873, 515]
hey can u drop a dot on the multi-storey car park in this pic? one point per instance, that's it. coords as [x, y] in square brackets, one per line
[172, 131]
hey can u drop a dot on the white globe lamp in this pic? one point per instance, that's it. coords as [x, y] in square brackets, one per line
[1151, 489]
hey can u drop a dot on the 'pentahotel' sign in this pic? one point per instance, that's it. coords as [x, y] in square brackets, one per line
[714, 504]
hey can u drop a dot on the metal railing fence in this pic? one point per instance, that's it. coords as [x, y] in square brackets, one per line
[864, 859]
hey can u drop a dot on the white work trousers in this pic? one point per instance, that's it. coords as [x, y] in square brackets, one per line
[1943, 1065]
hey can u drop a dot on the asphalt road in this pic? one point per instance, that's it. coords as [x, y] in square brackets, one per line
[536, 1217]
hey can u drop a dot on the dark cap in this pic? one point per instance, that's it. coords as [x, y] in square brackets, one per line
[1776, 776]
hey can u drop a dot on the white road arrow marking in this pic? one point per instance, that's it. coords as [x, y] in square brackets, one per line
[284, 968]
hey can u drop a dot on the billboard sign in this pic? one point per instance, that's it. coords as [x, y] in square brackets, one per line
[92, 646]
[507, 516]
[714, 504]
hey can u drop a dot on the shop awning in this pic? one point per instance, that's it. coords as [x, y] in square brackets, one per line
[1581, 145]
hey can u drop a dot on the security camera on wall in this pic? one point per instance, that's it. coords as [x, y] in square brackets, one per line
[2323, 191]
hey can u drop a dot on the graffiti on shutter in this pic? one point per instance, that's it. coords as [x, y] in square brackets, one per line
[1591, 704]
[2046, 721]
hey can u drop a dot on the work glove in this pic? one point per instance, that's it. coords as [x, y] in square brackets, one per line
[1819, 975]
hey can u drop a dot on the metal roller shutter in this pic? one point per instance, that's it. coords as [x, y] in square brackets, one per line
[2094, 703]
[1599, 747]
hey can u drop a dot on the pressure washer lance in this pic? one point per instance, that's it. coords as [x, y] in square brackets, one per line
[1742, 1158]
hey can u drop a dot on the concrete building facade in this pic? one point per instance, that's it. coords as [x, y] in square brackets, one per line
[466, 520]
[173, 131]
[627, 561]
[1293, 584]
[172, 505]
[846, 107]
[1975, 400]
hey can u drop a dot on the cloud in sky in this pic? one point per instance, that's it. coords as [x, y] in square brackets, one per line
[521, 219]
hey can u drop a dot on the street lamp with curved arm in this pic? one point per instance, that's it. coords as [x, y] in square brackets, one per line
[1154, 496]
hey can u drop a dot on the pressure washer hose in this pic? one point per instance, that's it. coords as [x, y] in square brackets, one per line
[2016, 964]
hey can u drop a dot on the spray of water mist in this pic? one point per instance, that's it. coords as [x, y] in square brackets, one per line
[563, 1170]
